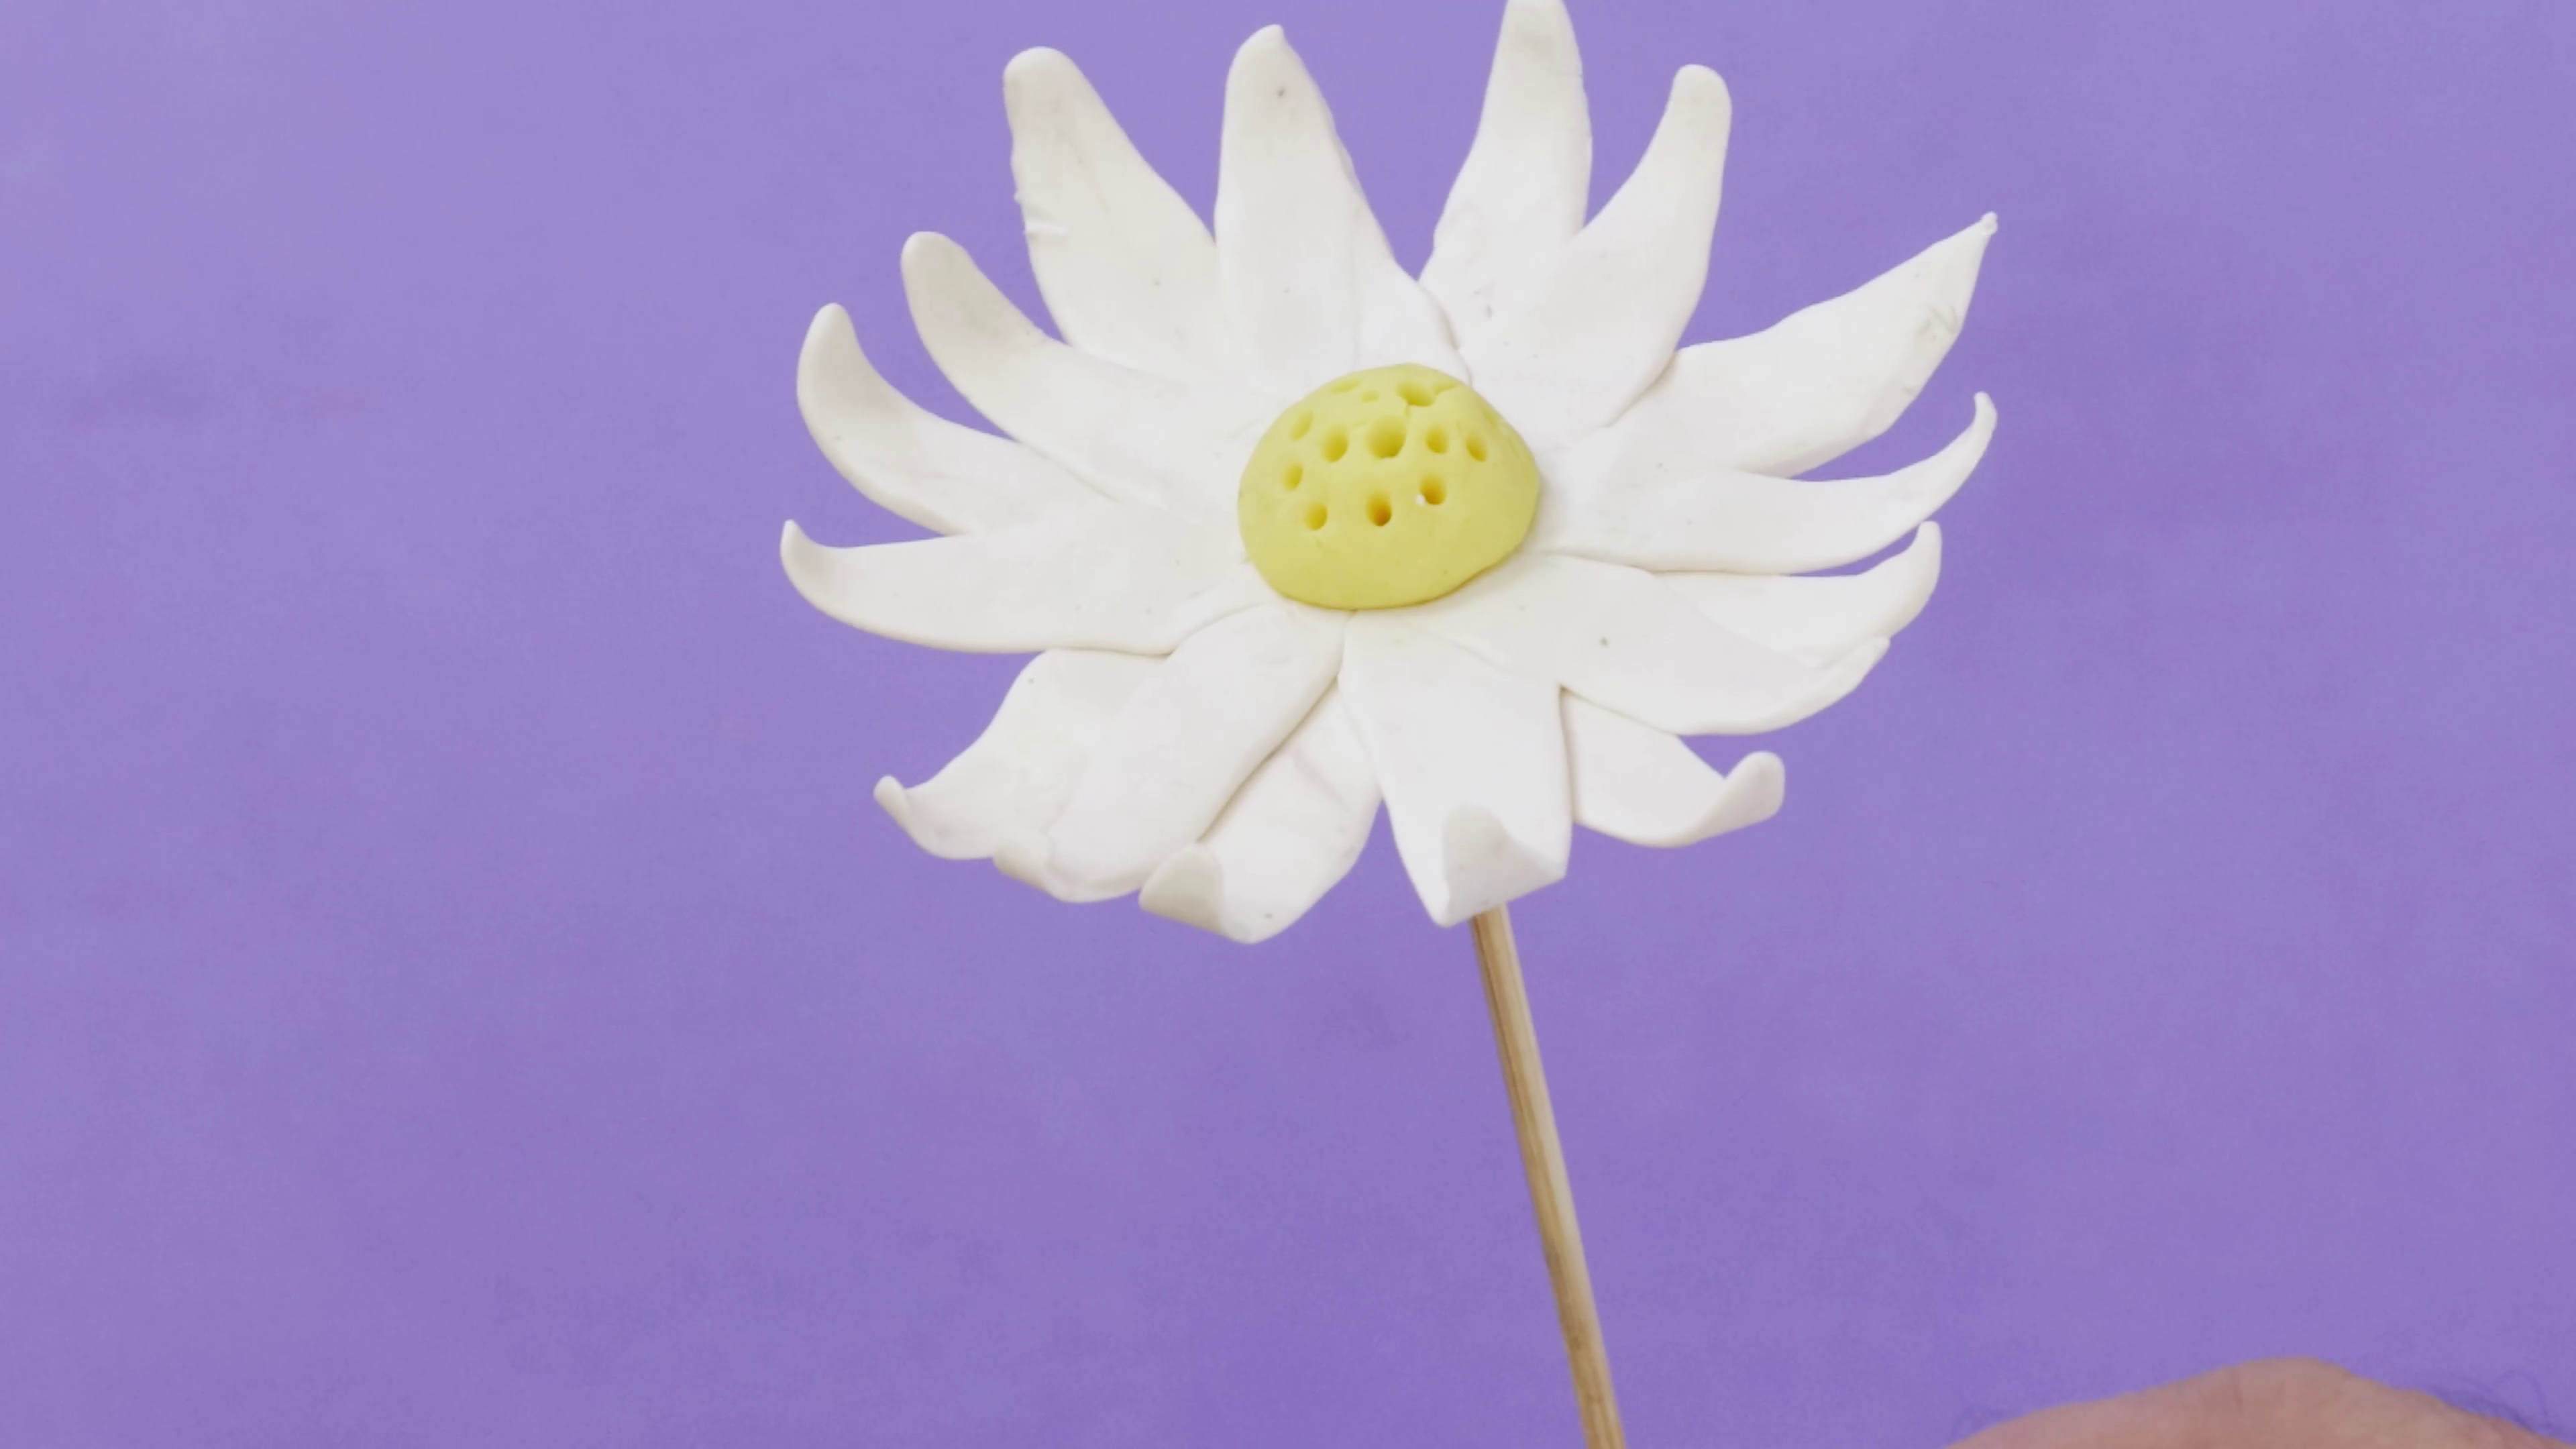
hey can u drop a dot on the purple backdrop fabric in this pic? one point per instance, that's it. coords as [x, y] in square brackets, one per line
[458, 991]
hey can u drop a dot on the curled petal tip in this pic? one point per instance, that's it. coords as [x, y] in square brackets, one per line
[1470, 842]
[891, 799]
[1988, 224]
[1760, 784]
[1024, 856]
[1947, 471]
[924, 827]
[830, 318]
[795, 549]
[1921, 563]
[830, 357]
[1483, 866]
[1188, 887]
[806, 563]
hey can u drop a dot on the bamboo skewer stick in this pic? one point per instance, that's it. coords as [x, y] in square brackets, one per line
[1543, 1159]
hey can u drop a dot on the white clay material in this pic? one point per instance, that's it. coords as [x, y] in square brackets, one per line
[1471, 758]
[1133, 436]
[1678, 515]
[1019, 772]
[1290, 834]
[1182, 746]
[1301, 264]
[1820, 618]
[1190, 735]
[1602, 322]
[917, 466]
[1127, 269]
[1621, 639]
[1521, 194]
[1107, 576]
[1819, 382]
[1636, 783]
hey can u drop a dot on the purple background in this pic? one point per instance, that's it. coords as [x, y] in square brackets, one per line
[457, 990]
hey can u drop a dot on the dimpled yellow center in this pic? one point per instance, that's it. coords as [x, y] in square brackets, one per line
[1384, 488]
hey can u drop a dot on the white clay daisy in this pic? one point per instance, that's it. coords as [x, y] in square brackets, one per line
[1292, 532]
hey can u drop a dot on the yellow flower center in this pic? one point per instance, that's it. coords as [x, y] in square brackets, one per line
[1388, 487]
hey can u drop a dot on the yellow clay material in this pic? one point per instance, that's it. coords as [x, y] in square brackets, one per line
[1388, 487]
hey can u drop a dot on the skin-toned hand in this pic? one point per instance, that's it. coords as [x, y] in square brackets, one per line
[2283, 1403]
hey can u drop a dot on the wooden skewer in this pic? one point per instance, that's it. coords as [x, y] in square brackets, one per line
[1543, 1159]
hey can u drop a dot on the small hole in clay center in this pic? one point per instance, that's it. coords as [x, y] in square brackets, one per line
[1379, 511]
[1295, 475]
[1415, 394]
[1386, 437]
[1345, 385]
[1476, 446]
[1437, 440]
[1336, 443]
[1434, 492]
[1369, 396]
[1298, 425]
[1315, 516]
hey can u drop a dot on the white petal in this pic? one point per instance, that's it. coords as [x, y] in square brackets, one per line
[1673, 514]
[1643, 786]
[1290, 834]
[1621, 639]
[1820, 618]
[1472, 760]
[1180, 749]
[1107, 576]
[915, 464]
[1135, 437]
[1522, 192]
[1127, 269]
[1018, 773]
[1582, 345]
[1307, 279]
[1820, 382]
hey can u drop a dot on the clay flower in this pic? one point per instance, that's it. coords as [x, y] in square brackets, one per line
[1292, 532]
